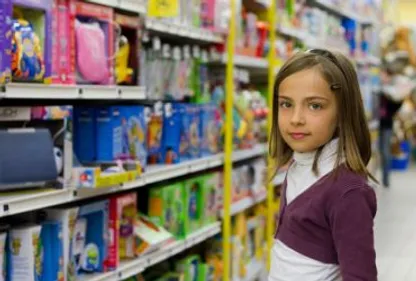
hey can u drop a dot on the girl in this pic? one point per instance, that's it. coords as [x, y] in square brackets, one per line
[325, 228]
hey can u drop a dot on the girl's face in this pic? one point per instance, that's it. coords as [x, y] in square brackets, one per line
[307, 111]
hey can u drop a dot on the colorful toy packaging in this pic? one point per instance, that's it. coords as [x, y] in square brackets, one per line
[127, 55]
[209, 198]
[52, 252]
[171, 133]
[193, 201]
[121, 134]
[190, 135]
[63, 43]
[3, 256]
[26, 253]
[154, 133]
[209, 130]
[122, 219]
[90, 243]
[94, 35]
[166, 208]
[31, 41]
[67, 218]
[189, 267]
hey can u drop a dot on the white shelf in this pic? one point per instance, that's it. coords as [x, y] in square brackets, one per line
[136, 6]
[20, 202]
[244, 204]
[136, 266]
[292, 32]
[247, 62]
[343, 12]
[254, 270]
[56, 92]
[175, 29]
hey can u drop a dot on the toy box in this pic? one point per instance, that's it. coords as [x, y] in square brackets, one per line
[67, 218]
[63, 43]
[3, 256]
[166, 208]
[189, 267]
[31, 44]
[209, 130]
[91, 237]
[52, 252]
[121, 134]
[128, 49]
[5, 41]
[193, 202]
[190, 135]
[94, 33]
[209, 198]
[171, 133]
[205, 272]
[122, 218]
[154, 133]
[85, 133]
[26, 253]
[149, 236]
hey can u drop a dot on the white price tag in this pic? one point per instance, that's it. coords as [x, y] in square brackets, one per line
[157, 44]
[196, 51]
[186, 52]
[166, 51]
[177, 53]
[204, 56]
[15, 113]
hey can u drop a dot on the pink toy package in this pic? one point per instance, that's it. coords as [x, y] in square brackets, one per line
[94, 35]
[63, 43]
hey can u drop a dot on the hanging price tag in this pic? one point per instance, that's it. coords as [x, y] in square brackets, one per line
[157, 44]
[163, 8]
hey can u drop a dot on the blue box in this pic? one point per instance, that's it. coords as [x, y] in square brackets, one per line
[84, 135]
[209, 130]
[190, 135]
[51, 236]
[121, 134]
[171, 133]
[90, 237]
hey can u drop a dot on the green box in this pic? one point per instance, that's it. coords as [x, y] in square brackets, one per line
[208, 200]
[193, 198]
[205, 272]
[166, 208]
[189, 267]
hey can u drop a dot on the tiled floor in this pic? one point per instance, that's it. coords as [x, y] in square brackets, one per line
[395, 228]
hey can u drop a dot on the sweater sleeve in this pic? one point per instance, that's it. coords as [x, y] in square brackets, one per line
[352, 220]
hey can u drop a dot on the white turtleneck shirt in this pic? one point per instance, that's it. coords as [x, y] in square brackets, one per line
[287, 264]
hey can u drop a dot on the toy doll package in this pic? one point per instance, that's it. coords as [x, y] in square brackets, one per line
[190, 135]
[154, 132]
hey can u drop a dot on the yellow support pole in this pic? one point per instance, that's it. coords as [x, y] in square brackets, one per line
[272, 68]
[228, 163]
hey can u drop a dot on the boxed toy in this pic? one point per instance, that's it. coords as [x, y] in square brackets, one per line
[122, 219]
[166, 208]
[6, 24]
[3, 257]
[171, 133]
[128, 49]
[94, 35]
[63, 43]
[154, 132]
[189, 267]
[85, 133]
[121, 134]
[190, 135]
[31, 42]
[209, 204]
[52, 251]
[149, 236]
[67, 218]
[26, 253]
[205, 272]
[193, 202]
[91, 237]
[210, 130]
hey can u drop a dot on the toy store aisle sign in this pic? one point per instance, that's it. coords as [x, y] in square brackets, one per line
[163, 8]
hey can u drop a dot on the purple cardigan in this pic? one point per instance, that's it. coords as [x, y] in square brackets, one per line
[332, 222]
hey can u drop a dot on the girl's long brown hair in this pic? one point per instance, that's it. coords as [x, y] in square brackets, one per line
[354, 144]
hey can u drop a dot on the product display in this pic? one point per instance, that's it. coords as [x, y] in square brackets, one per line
[115, 125]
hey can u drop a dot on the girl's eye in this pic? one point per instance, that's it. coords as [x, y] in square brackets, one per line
[315, 106]
[285, 104]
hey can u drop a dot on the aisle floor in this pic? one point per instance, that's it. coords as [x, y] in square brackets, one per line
[395, 228]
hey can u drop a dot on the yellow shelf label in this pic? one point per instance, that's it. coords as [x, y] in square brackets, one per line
[163, 8]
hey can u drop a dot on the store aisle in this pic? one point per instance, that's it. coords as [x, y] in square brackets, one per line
[395, 228]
